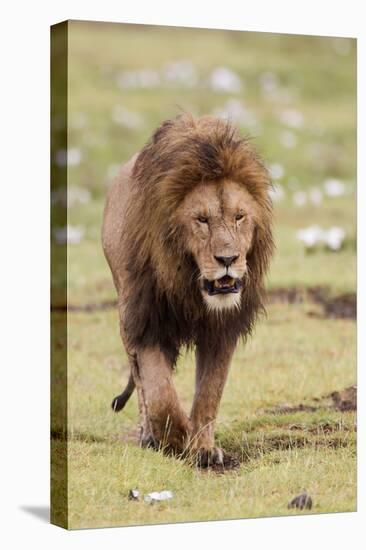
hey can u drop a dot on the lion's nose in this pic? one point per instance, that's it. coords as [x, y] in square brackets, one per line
[226, 260]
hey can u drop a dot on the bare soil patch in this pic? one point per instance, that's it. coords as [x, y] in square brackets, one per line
[344, 400]
[343, 306]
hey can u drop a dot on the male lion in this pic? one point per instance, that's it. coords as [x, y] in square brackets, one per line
[187, 235]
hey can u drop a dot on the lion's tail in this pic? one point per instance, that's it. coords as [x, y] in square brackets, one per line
[120, 401]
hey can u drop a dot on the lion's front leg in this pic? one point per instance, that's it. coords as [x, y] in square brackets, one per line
[164, 423]
[212, 366]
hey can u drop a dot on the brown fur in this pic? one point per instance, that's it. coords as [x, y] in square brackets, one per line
[161, 305]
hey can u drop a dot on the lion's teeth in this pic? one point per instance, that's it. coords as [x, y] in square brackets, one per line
[224, 282]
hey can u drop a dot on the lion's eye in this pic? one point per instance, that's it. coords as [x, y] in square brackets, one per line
[202, 219]
[239, 217]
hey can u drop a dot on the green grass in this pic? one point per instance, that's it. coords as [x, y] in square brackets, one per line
[319, 83]
[261, 488]
[294, 357]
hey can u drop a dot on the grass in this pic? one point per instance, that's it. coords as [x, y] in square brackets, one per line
[261, 488]
[281, 453]
[295, 356]
[312, 79]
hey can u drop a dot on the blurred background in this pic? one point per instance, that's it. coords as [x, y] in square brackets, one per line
[295, 95]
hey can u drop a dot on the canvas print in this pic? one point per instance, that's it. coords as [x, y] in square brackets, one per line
[203, 264]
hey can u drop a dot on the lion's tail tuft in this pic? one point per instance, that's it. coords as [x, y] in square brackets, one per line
[120, 401]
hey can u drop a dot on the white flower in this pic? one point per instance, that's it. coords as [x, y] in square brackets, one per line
[269, 83]
[68, 234]
[182, 73]
[235, 111]
[129, 119]
[291, 118]
[277, 193]
[334, 187]
[276, 171]
[223, 79]
[142, 78]
[59, 196]
[158, 497]
[77, 195]
[300, 198]
[288, 139]
[70, 196]
[311, 236]
[334, 238]
[316, 196]
[68, 157]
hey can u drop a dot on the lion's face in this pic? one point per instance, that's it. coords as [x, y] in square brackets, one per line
[219, 221]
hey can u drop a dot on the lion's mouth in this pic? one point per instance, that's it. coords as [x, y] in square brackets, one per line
[225, 285]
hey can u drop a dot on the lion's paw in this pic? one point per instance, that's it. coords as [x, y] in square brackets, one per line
[149, 442]
[216, 458]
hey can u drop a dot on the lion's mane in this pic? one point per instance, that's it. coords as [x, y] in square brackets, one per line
[164, 305]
